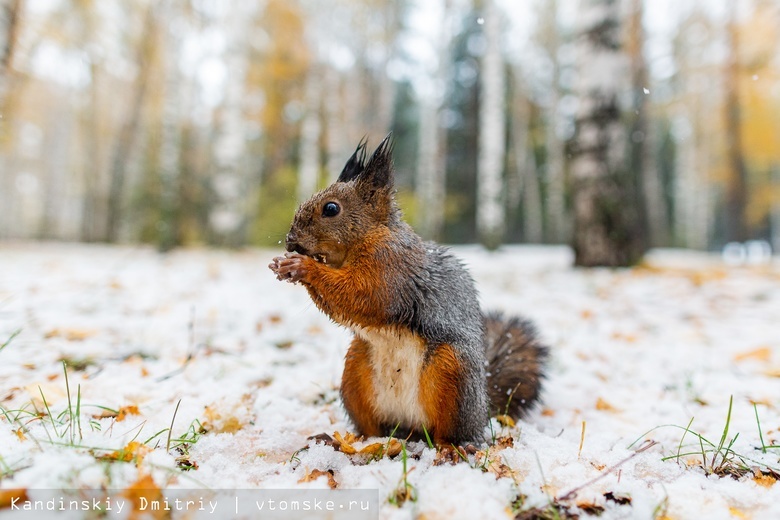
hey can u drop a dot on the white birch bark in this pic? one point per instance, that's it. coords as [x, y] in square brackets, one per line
[607, 225]
[309, 168]
[229, 215]
[557, 215]
[492, 145]
[774, 217]
[526, 180]
[432, 137]
[337, 150]
[170, 145]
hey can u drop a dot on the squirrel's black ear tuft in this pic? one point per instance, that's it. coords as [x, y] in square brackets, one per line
[356, 164]
[379, 168]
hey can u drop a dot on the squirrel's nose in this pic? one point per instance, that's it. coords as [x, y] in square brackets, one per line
[291, 241]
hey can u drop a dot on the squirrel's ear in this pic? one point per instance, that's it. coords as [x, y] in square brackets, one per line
[356, 164]
[379, 168]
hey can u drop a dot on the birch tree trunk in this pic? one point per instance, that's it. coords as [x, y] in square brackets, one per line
[775, 211]
[170, 146]
[492, 138]
[432, 137]
[335, 140]
[129, 129]
[606, 220]
[643, 164]
[309, 168]
[10, 11]
[557, 214]
[527, 179]
[229, 215]
[736, 192]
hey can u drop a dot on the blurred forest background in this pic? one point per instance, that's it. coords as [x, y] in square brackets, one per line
[611, 125]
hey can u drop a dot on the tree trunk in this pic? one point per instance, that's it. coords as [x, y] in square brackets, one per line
[10, 11]
[736, 192]
[128, 131]
[337, 151]
[171, 134]
[606, 219]
[653, 204]
[432, 138]
[92, 197]
[229, 215]
[309, 169]
[492, 138]
[557, 214]
[533, 214]
[775, 210]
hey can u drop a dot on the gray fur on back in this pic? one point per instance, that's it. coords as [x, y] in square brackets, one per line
[439, 302]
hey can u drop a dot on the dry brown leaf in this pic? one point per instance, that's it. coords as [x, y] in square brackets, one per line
[501, 470]
[772, 372]
[759, 354]
[275, 318]
[216, 422]
[132, 451]
[345, 444]
[70, 334]
[7, 496]
[505, 420]
[316, 473]
[591, 508]
[504, 442]
[548, 412]
[376, 449]
[125, 411]
[765, 480]
[586, 314]
[604, 406]
[394, 448]
[20, 434]
[144, 488]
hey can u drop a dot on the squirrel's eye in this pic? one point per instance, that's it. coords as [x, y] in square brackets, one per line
[330, 209]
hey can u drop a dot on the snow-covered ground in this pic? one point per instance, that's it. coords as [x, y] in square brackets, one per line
[253, 362]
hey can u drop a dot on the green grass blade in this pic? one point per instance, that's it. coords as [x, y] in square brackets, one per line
[10, 339]
[760, 435]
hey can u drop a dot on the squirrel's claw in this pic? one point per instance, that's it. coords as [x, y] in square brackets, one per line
[290, 267]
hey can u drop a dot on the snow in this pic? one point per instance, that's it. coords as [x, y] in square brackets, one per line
[254, 360]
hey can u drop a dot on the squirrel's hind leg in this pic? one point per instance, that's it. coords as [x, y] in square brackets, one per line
[440, 383]
[357, 389]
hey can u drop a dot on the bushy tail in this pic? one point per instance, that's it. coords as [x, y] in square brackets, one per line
[516, 364]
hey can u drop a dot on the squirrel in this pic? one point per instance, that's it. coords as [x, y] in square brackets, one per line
[423, 357]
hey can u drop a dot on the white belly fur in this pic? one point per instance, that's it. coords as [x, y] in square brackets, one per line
[397, 359]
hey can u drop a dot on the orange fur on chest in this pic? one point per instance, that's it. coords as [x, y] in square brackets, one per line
[357, 293]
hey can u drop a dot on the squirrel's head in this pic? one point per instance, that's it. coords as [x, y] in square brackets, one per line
[328, 225]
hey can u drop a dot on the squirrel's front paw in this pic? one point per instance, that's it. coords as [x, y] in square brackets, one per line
[291, 267]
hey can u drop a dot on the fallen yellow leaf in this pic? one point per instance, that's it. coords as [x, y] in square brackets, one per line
[759, 354]
[132, 451]
[70, 334]
[765, 480]
[316, 473]
[604, 406]
[7, 496]
[345, 444]
[505, 420]
[144, 488]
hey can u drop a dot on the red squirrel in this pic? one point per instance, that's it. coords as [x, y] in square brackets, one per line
[424, 357]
